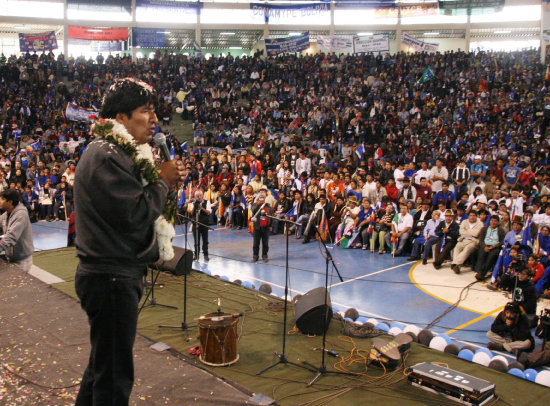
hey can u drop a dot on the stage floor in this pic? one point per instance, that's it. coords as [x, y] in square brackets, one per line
[376, 285]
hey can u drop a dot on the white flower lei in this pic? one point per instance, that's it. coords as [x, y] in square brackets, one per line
[164, 230]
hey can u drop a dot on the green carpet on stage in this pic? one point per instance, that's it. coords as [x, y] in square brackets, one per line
[260, 335]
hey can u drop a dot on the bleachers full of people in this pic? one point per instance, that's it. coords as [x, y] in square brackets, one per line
[357, 146]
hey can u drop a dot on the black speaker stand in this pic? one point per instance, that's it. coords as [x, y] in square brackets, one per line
[150, 297]
[322, 369]
[184, 326]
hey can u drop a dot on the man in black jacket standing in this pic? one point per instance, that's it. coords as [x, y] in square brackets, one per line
[119, 198]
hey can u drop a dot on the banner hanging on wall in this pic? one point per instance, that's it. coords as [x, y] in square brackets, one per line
[45, 41]
[419, 45]
[148, 37]
[291, 44]
[376, 43]
[98, 34]
[334, 43]
[289, 11]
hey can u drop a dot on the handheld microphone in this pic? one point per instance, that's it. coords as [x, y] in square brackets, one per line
[160, 141]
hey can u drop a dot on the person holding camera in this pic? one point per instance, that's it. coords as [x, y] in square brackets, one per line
[510, 331]
[540, 356]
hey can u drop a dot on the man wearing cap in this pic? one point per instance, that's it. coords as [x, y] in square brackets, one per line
[510, 331]
[261, 223]
[478, 168]
[490, 242]
[467, 242]
[448, 231]
[401, 230]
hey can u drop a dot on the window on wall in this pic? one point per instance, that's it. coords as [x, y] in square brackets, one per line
[435, 19]
[361, 17]
[506, 46]
[230, 16]
[181, 15]
[508, 14]
[34, 8]
[100, 10]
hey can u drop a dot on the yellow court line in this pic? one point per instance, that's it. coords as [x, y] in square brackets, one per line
[468, 323]
[411, 277]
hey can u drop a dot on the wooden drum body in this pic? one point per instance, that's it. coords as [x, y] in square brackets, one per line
[218, 336]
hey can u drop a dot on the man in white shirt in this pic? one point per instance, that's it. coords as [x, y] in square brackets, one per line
[467, 242]
[439, 175]
[401, 230]
[303, 164]
[369, 186]
[543, 219]
[200, 210]
[424, 172]
[399, 175]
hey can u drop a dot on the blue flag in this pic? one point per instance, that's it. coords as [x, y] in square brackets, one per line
[360, 151]
[172, 153]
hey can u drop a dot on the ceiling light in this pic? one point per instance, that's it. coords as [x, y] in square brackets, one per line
[431, 34]
[164, 32]
[20, 27]
[503, 32]
[227, 33]
[235, 47]
[364, 34]
[293, 34]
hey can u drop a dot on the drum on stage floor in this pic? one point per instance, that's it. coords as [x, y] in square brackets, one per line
[218, 336]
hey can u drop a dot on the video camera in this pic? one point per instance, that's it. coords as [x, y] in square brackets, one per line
[543, 326]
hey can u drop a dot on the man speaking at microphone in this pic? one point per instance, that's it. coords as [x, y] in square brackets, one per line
[120, 196]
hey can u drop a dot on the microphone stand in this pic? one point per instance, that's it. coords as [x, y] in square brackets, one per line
[282, 355]
[322, 369]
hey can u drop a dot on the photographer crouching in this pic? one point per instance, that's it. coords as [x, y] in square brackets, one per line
[541, 356]
[510, 331]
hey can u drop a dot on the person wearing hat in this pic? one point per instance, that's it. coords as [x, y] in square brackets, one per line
[491, 238]
[261, 223]
[467, 242]
[478, 168]
[401, 230]
[510, 331]
[448, 231]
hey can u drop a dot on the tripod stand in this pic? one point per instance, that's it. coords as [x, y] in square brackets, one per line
[282, 356]
[322, 369]
[184, 326]
[151, 293]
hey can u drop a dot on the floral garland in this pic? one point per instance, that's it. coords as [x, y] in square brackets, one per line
[144, 164]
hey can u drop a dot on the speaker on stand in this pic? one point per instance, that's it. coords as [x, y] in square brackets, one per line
[311, 309]
[180, 264]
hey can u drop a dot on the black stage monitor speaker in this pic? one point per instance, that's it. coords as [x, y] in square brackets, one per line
[311, 309]
[180, 264]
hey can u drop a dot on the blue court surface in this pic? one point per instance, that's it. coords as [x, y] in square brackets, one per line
[378, 286]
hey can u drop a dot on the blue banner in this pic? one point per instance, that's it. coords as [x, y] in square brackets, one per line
[291, 44]
[288, 10]
[45, 41]
[148, 37]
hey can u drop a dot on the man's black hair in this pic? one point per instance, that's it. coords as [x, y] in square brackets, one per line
[126, 95]
[11, 195]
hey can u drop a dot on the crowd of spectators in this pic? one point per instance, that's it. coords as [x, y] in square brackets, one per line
[360, 146]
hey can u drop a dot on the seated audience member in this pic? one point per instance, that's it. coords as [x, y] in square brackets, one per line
[541, 246]
[510, 331]
[491, 238]
[428, 239]
[401, 229]
[282, 206]
[365, 222]
[467, 241]
[448, 232]
[444, 196]
[336, 214]
[319, 221]
[382, 227]
[421, 217]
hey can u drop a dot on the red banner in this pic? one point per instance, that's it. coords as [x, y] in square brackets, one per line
[98, 34]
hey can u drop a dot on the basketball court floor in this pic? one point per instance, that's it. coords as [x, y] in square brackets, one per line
[378, 286]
